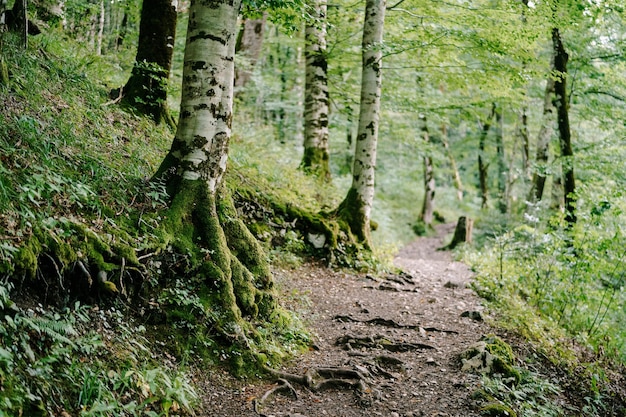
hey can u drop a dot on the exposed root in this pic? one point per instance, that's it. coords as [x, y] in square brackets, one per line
[319, 379]
[391, 323]
[379, 342]
[283, 385]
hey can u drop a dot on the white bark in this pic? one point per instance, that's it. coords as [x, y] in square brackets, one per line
[204, 127]
[367, 136]
[316, 99]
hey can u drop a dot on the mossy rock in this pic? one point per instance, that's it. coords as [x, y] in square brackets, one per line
[497, 410]
[491, 355]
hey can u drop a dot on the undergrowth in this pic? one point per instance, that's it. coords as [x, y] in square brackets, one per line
[562, 289]
[84, 360]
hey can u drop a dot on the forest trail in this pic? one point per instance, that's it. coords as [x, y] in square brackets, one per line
[396, 338]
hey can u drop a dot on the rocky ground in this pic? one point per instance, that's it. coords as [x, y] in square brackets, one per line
[384, 346]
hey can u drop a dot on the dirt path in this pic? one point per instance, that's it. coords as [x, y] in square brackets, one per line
[400, 340]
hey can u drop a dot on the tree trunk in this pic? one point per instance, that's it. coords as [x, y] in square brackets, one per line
[249, 45]
[482, 165]
[427, 213]
[458, 184]
[202, 219]
[316, 100]
[100, 29]
[525, 139]
[565, 140]
[17, 20]
[543, 144]
[502, 170]
[146, 89]
[462, 232]
[356, 208]
[119, 41]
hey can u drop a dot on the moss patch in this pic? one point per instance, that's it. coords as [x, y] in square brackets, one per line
[491, 355]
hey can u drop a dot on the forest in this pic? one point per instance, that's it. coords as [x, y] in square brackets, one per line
[182, 182]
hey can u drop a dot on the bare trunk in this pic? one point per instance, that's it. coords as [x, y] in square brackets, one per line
[565, 140]
[316, 100]
[458, 184]
[200, 148]
[523, 134]
[543, 144]
[482, 165]
[428, 207]
[249, 45]
[100, 29]
[502, 169]
[357, 206]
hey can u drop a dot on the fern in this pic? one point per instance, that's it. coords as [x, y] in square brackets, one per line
[57, 330]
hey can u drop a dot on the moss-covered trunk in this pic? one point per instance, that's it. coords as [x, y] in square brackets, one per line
[227, 265]
[146, 89]
[316, 99]
[226, 257]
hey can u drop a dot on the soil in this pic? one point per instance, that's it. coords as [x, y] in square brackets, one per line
[402, 333]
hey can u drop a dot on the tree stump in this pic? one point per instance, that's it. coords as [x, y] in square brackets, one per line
[462, 232]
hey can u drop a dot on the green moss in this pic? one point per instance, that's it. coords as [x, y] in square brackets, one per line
[497, 410]
[243, 288]
[350, 211]
[499, 348]
[315, 162]
[26, 259]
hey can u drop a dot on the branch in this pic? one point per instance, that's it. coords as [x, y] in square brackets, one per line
[395, 5]
[606, 93]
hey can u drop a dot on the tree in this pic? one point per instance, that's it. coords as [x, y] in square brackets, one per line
[483, 166]
[201, 217]
[561, 103]
[316, 99]
[543, 144]
[356, 208]
[146, 89]
[249, 45]
[502, 170]
[427, 213]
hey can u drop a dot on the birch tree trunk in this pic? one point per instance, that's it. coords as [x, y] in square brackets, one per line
[316, 99]
[356, 208]
[146, 89]
[202, 219]
[561, 103]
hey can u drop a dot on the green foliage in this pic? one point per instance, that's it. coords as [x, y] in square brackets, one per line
[533, 395]
[57, 360]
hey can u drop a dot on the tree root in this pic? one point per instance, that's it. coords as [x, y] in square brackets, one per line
[391, 323]
[379, 342]
[319, 379]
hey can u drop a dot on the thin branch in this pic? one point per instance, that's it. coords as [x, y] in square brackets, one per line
[395, 5]
[606, 93]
